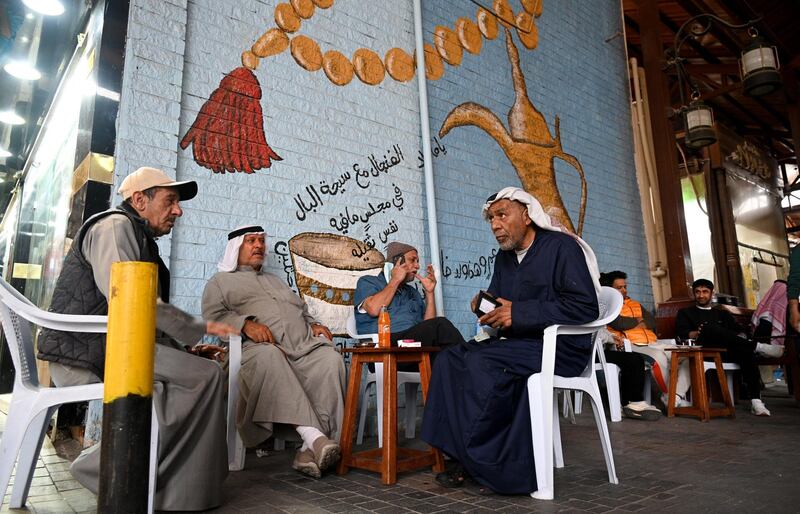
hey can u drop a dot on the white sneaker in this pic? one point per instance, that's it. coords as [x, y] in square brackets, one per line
[771, 351]
[758, 408]
[641, 410]
[679, 401]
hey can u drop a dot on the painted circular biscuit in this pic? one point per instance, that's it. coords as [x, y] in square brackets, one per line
[447, 45]
[249, 60]
[487, 23]
[337, 67]
[504, 12]
[303, 8]
[399, 64]
[368, 66]
[286, 18]
[272, 42]
[434, 67]
[469, 35]
[531, 38]
[532, 7]
[323, 4]
[306, 52]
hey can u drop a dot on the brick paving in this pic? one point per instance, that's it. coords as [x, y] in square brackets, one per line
[746, 464]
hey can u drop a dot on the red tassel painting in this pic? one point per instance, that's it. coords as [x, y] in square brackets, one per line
[228, 133]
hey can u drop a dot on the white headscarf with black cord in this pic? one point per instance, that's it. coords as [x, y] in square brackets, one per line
[543, 221]
[230, 259]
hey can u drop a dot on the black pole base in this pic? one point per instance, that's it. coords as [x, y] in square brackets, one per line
[125, 455]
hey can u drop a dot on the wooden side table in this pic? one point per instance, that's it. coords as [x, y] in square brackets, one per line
[389, 459]
[700, 404]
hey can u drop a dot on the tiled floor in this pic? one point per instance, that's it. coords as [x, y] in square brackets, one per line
[746, 464]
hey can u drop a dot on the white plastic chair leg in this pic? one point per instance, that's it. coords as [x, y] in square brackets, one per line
[11, 442]
[541, 431]
[558, 453]
[362, 415]
[28, 454]
[153, 466]
[578, 406]
[379, 400]
[411, 409]
[729, 375]
[612, 388]
[602, 429]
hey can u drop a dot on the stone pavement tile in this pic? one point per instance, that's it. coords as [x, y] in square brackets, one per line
[68, 485]
[51, 507]
[40, 472]
[42, 480]
[59, 476]
[51, 459]
[393, 509]
[58, 466]
[42, 490]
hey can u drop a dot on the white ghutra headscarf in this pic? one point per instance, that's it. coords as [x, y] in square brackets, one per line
[230, 259]
[543, 221]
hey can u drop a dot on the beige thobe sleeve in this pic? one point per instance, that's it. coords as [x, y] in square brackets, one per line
[215, 307]
[112, 239]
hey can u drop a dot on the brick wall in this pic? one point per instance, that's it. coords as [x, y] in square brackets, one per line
[179, 51]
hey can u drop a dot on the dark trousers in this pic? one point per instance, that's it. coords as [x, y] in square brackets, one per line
[631, 376]
[738, 350]
[431, 332]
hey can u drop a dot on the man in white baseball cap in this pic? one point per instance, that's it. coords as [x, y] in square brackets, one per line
[189, 391]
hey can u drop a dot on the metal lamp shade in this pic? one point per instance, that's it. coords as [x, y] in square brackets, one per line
[699, 121]
[759, 67]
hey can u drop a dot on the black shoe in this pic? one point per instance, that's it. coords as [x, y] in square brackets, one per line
[452, 478]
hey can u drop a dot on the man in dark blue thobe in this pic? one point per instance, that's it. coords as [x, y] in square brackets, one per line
[477, 407]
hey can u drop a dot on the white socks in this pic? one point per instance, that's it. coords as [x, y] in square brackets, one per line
[309, 435]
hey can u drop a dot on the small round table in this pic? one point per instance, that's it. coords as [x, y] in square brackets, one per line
[389, 459]
[700, 405]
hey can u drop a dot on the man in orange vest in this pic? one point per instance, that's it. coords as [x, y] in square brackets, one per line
[636, 324]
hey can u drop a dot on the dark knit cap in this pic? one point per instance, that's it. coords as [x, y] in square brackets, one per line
[396, 249]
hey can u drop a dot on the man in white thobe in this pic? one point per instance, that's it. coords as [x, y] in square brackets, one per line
[291, 374]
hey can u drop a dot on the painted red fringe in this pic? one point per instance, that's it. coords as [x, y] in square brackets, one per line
[228, 133]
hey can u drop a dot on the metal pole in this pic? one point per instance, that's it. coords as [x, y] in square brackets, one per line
[127, 400]
[430, 194]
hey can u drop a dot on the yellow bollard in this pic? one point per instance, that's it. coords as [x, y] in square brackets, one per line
[127, 398]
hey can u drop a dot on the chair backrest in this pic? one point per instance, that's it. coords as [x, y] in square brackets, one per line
[353, 332]
[18, 335]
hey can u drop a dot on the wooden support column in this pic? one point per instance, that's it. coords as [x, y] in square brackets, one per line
[678, 259]
[793, 106]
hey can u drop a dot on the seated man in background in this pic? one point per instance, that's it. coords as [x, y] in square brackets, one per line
[291, 373]
[715, 327]
[411, 316]
[188, 394]
[477, 409]
[636, 324]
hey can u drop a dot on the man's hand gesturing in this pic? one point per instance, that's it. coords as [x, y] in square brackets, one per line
[428, 281]
[321, 330]
[257, 332]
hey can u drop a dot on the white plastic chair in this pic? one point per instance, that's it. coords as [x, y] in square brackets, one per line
[541, 393]
[409, 379]
[729, 368]
[32, 406]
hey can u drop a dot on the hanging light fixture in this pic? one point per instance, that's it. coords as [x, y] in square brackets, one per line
[759, 67]
[698, 120]
[9, 117]
[46, 7]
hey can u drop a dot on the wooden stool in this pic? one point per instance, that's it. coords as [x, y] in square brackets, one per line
[700, 405]
[389, 459]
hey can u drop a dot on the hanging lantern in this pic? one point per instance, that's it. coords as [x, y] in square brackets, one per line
[759, 67]
[699, 121]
